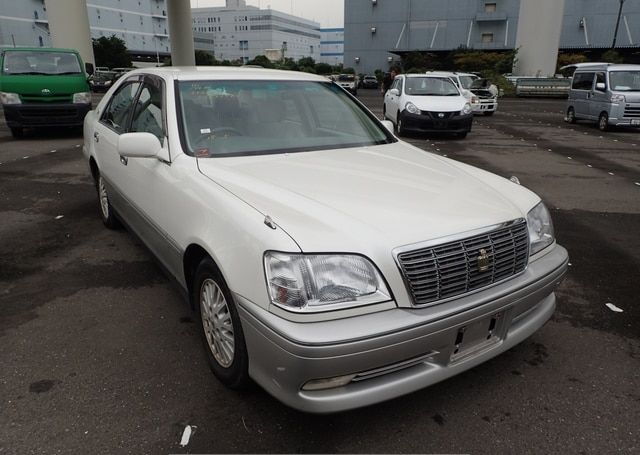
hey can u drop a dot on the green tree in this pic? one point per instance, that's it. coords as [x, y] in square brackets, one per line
[323, 68]
[307, 62]
[261, 60]
[612, 56]
[204, 58]
[348, 70]
[111, 52]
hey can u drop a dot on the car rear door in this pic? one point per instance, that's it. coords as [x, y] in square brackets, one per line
[581, 93]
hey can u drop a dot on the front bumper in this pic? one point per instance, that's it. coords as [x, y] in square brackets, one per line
[393, 352]
[428, 122]
[45, 114]
[483, 106]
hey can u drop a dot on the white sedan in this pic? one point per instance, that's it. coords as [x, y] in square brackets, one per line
[427, 103]
[331, 263]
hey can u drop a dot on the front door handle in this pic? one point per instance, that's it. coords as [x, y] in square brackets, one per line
[96, 136]
[124, 160]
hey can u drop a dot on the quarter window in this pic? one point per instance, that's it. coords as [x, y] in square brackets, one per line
[117, 114]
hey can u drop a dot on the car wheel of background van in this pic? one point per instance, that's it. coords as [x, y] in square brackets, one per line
[571, 115]
[17, 132]
[221, 329]
[106, 211]
[489, 113]
[603, 122]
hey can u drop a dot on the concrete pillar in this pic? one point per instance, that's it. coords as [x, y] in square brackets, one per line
[69, 26]
[181, 33]
[538, 38]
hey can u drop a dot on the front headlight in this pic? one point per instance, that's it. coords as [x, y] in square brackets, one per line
[411, 108]
[10, 98]
[466, 109]
[82, 98]
[618, 99]
[541, 233]
[475, 100]
[107, 82]
[319, 282]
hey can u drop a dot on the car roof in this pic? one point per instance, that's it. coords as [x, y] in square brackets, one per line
[226, 72]
[607, 67]
[38, 49]
[430, 74]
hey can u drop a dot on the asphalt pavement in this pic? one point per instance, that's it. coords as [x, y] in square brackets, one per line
[99, 353]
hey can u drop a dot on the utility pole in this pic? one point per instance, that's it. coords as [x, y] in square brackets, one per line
[615, 35]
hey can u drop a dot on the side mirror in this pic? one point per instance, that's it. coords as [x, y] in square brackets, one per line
[388, 125]
[88, 68]
[601, 86]
[395, 92]
[139, 145]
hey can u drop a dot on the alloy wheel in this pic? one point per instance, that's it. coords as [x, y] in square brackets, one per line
[216, 322]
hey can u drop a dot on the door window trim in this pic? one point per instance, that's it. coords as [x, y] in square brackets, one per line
[154, 81]
[131, 80]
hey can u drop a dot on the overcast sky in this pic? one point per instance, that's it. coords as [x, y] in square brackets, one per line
[330, 13]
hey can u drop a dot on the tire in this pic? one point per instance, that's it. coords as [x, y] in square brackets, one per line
[571, 115]
[17, 132]
[489, 113]
[107, 214]
[399, 128]
[603, 122]
[462, 135]
[221, 332]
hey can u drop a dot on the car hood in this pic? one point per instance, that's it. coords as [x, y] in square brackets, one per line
[351, 199]
[438, 103]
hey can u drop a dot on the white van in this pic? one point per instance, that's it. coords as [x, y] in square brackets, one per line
[606, 93]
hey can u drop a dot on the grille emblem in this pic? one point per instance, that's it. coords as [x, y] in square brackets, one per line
[441, 115]
[45, 91]
[483, 261]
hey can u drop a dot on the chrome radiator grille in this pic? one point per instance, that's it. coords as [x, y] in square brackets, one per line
[450, 269]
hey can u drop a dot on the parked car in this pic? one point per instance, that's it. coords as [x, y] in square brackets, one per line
[43, 87]
[348, 82]
[482, 97]
[369, 82]
[427, 103]
[608, 94]
[325, 259]
[101, 81]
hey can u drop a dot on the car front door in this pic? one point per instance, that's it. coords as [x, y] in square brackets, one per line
[391, 101]
[599, 98]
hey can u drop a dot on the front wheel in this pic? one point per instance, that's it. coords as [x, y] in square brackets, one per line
[603, 122]
[463, 135]
[571, 115]
[222, 334]
[400, 125]
[489, 113]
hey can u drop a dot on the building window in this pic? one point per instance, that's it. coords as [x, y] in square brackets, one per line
[490, 7]
[40, 41]
[487, 38]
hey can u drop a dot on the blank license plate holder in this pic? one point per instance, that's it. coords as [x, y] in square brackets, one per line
[477, 336]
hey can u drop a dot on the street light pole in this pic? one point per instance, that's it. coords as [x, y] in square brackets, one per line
[615, 35]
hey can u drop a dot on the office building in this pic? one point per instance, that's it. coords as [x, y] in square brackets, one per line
[332, 46]
[142, 24]
[378, 31]
[241, 32]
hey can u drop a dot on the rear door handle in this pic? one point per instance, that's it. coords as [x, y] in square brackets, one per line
[96, 136]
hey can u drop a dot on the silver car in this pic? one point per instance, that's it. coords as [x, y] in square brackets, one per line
[606, 93]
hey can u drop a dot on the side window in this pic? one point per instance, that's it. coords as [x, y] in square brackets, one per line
[116, 115]
[149, 111]
[601, 79]
[400, 83]
[583, 81]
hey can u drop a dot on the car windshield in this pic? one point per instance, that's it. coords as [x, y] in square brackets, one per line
[346, 78]
[467, 81]
[430, 86]
[235, 118]
[45, 63]
[625, 81]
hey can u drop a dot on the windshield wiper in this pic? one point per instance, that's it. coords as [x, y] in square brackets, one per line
[65, 73]
[30, 73]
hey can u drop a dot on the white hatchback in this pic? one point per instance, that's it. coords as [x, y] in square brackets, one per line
[326, 260]
[427, 103]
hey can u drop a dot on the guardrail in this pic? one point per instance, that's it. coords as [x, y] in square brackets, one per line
[543, 87]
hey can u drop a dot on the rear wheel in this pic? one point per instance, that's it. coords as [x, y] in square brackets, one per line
[221, 329]
[603, 122]
[17, 132]
[571, 115]
[106, 211]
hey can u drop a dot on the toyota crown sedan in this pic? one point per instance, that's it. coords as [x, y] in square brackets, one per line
[326, 260]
